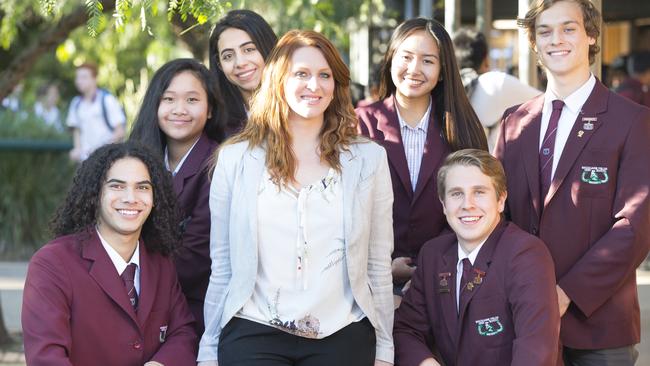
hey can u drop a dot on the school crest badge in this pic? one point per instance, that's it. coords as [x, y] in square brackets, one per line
[489, 326]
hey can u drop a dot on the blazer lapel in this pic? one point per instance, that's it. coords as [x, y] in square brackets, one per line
[193, 163]
[104, 273]
[351, 173]
[253, 165]
[389, 126]
[434, 150]
[149, 273]
[448, 300]
[529, 132]
[579, 136]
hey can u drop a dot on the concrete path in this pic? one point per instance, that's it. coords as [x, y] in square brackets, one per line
[12, 279]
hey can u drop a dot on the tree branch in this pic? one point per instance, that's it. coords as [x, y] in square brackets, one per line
[52, 36]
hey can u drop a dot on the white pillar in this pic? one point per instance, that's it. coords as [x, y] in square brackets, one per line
[484, 17]
[408, 9]
[596, 67]
[426, 8]
[452, 15]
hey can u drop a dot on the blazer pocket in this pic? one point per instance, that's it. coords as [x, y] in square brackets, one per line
[596, 173]
[489, 323]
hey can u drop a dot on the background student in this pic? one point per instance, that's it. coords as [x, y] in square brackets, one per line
[240, 43]
[95, 116]
[424, 115]
[182, 118]
[489, 91]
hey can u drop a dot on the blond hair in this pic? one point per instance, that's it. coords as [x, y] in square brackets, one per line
[486, 163]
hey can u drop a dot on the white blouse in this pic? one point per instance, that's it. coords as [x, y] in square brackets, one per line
[302, 284]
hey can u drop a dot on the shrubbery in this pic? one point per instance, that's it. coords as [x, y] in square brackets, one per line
[34, 176]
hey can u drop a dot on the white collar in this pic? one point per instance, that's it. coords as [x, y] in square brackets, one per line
[424, 121]
[575, 100]
[180, 163]
[119, 262]
[471, 256]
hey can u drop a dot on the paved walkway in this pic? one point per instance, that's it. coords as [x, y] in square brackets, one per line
[12, 279]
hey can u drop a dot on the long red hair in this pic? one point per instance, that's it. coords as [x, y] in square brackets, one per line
[267, 125]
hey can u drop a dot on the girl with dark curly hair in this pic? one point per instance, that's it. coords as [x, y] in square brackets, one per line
[182, 118]
[105, 289]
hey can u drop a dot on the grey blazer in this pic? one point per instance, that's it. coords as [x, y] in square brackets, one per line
[367, 201]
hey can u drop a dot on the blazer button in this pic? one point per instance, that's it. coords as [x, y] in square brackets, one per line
[137, 345]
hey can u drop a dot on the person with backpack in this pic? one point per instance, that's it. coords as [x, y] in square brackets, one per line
[490, 92]
[95, 116]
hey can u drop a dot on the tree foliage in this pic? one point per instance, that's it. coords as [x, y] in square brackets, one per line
[137, 32]
[30, 28]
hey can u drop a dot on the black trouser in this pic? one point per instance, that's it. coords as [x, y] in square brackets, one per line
[247, 343]
[624, 356]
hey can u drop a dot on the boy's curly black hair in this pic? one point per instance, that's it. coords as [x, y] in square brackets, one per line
[78, 213]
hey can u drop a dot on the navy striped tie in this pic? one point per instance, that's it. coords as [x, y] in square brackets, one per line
[546, 152]
[128, 276]
[466, 284]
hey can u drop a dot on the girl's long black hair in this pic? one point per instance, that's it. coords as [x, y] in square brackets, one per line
[146, 129]
[264, 39]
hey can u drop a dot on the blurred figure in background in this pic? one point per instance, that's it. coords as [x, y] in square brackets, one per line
[489, 92]
[617, 72]
[13, 101]
[95, 116]
[637, 86]
[46, 107]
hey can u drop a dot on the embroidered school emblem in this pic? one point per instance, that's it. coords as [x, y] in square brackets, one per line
[594, 175]
[489, 326]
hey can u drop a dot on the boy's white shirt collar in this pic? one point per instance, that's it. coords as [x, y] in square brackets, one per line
[119, 262]
[573, 101]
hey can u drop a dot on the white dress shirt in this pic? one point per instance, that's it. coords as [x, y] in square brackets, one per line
[459, 267]
[572, 108]
[119, 262]
[180, 163]
[413, 140]
[302, 285]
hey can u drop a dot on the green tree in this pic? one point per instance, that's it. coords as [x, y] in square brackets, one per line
[30, 28]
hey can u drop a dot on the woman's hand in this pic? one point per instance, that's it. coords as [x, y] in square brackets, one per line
[382, 363]
[402, 269]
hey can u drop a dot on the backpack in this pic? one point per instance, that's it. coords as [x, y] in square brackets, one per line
[103, 93]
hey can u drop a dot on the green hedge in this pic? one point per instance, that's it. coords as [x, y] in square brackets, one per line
[34, 176]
